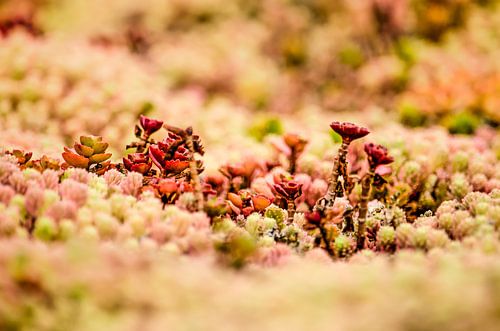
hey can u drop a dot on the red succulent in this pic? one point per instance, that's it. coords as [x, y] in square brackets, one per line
[166, 186]
[288, 189]
[138, 162]
[21, 156]
[150, 125]
[377, 155]
[161, 154]
[349, 131]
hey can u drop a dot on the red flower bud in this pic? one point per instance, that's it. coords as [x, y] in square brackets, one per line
[150, 125]
[247, 211]
[377, 155]
[294, 141]
[349, 131]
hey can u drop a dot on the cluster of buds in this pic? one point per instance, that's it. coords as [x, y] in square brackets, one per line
[143, 131]
[324, 212]
[170, 156]
[239, 175]
[173, 155]
[22, 157]
[245, 202]
[24, 160]
[138, 162]
[89, 154]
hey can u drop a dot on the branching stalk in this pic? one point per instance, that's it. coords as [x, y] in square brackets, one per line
[329, 199]
[194, 173]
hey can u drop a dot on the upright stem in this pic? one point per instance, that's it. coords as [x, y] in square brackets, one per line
[328, 200]
[363, 208]
[30, 224]
[291, 211]
[324, 236]
[349, 222]
[144, 142]
[198, 193]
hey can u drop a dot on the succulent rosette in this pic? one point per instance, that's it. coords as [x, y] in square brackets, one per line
[90, 151]
[169, 156]
[288, 189]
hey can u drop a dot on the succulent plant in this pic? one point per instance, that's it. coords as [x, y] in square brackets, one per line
[138, 162]
[296, 145]
[289, 190]
[349, 132]
[377, 156]
[89, 154]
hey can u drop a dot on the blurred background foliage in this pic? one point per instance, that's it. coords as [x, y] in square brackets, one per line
[423, 62]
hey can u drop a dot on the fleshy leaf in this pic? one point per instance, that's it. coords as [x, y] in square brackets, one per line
[100, 147]
[75, 160]
[84, 150]
[98, 158]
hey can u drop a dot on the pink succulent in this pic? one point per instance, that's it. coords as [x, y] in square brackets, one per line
[6, 193]
[50, 179]
[64, 209]
[113, 177]
[80, 175]
[33, 200]
[74, 191]
[132, 184]
[18, 182]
